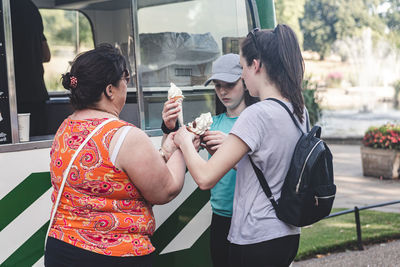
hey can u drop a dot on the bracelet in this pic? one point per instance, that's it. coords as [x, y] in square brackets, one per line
[166, 130]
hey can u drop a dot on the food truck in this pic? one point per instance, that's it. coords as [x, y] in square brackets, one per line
[163, 41]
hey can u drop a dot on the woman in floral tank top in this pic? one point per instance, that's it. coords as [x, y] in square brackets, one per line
[105, 215]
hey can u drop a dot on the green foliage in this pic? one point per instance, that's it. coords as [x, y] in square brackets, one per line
[392, 15]
[314, 110]
[289, 12]
[386, 137]
[392, 19]
[326, 21]
[53, 82]
[60, 27]
[339, 233]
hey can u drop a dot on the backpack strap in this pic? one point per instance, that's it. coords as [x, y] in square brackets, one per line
[264, 185]
[288, 111]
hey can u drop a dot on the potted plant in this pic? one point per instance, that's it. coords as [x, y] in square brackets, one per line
[380, 152]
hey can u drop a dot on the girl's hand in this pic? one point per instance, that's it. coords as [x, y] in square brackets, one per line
[183, 136]
[212, 140]
[170, 113]
[196, 142]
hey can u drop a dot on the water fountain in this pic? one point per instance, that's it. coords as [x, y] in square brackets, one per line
[375, 65]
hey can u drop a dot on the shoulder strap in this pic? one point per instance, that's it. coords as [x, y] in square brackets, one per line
[264, 184]
[67, 171]
[288, 111]
[119, 143]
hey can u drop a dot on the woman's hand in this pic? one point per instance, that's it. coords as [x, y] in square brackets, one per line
[170, 113]
[183, 136]
[212, 140]
[168, 146]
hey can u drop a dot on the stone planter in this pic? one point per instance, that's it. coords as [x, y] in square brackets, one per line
[383, 163]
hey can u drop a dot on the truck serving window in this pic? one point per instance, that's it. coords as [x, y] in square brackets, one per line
[68, 33]
[178, 43]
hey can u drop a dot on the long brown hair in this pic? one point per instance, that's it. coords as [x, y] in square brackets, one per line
[280, 53]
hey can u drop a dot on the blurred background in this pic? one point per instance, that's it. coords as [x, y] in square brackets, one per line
[351, 50]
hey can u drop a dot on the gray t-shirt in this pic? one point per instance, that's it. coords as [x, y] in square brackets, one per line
[271, 135]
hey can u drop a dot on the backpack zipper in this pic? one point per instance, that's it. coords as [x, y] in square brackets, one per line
[304, 165]
[326, 197]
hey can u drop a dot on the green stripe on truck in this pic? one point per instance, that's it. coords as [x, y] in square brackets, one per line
[30, 252]
[196, 256]
[179, 219]
[22, 196]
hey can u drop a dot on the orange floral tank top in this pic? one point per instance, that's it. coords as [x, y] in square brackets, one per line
[100, 209]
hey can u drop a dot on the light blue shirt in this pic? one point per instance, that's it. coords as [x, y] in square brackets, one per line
[222, 193]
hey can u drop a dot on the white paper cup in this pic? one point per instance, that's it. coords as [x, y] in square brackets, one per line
[23, 126]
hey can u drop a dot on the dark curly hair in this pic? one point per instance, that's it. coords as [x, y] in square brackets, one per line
[280, 54]
[91, 72]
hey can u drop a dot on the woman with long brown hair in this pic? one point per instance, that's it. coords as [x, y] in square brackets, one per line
[273, 67]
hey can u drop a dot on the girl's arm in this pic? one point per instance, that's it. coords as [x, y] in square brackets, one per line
[207, 173]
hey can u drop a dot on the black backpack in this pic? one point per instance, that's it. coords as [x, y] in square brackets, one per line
[308, 190]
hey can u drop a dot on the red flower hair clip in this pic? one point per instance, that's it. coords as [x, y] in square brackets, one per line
[73, 82]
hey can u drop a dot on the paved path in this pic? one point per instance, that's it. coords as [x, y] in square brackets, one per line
[386, 254]
[356, 190]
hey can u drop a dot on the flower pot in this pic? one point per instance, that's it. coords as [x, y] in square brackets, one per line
[378, 162]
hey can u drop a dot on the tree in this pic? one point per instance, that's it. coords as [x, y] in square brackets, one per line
[391, 16]
[289, 12]
[326, 21]
[60, 27]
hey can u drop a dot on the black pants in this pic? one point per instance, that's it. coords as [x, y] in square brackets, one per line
[276, 252]
[219, 244]
[59, 253]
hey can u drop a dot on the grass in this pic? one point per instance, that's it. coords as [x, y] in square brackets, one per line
[339, 233]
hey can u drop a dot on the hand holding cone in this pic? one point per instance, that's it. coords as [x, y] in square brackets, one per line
[176, 95]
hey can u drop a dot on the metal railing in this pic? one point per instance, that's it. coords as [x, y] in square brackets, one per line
[356, 211]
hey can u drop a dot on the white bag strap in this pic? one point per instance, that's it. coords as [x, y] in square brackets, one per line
[119, 143]
[67, 171]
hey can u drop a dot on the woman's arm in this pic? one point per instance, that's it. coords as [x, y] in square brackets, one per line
[207, 173]
[158, 182]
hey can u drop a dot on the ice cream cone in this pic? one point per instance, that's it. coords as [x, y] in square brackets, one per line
[175, 94]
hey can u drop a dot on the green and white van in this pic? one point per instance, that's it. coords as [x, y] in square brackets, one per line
[164, 41]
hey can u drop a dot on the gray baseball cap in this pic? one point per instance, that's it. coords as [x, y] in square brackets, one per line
[226, 68]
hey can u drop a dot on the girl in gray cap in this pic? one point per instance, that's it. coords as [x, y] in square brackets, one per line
[231, 99]
[273, 67]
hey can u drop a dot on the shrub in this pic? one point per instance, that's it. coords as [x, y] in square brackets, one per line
[334, 79]
[386, 137]
[310, 100]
